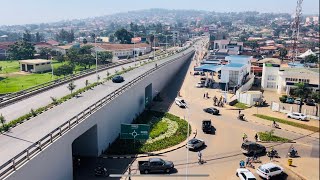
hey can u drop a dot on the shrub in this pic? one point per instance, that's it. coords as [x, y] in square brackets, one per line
[269, 136]
[33, 113]
[283, 99]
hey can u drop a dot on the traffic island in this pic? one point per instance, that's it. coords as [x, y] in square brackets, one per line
[166, 130]
[268, 136]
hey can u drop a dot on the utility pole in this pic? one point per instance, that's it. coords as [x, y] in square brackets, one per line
[51, 68]
[134, 47]
[95, 44]
[154, 47]
[167, 45]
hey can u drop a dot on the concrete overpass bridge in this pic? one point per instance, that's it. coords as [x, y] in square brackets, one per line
[43, 147]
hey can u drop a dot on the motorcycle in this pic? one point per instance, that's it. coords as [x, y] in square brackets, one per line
[293, 153]
[101, 171]
[273, 153]
[275, 125]
[241, 117]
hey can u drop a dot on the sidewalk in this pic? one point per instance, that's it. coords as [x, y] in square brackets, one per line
[302, 165]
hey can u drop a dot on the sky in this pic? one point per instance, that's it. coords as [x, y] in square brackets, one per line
[42, 11]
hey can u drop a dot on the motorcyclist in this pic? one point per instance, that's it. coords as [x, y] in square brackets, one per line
[244, 136]
[274, 124]
[293, 151]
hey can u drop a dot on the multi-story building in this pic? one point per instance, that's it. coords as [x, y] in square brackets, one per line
[283, 80]
[232, 47]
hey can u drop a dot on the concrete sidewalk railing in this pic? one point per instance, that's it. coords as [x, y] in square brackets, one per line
[33, 150]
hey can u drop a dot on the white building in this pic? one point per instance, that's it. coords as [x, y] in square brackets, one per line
[282, 80]
[236, 71]
[232, 47]
[35, 65]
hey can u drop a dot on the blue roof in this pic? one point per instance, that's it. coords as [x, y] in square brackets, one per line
[295, 64]
[234, 65]
[208, 68]
[238, 59]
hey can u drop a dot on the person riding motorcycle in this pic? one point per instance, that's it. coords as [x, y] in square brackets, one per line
[293, 151]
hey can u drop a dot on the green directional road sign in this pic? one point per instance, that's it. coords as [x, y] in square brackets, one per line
[134, 131]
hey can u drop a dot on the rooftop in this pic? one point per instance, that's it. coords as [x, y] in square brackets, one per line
[34, 61]
[238, 65]
[314, 71]
[108, 46]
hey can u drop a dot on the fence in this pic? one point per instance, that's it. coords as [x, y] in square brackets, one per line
[23, 157]
[310, 111]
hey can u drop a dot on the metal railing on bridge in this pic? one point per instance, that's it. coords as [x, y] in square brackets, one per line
[23, 157]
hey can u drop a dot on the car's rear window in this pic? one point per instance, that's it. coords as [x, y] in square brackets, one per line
[251, 179]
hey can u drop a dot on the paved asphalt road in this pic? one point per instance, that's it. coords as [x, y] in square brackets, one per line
[222, 152]
[24, 106]
[22, 136]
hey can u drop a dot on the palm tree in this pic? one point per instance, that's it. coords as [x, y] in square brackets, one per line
[71, 86]
[302, 92]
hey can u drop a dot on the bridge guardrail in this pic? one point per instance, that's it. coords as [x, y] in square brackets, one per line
[23, 157]
[12, 97]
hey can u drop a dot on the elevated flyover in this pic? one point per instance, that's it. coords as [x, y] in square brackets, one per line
[43, 147]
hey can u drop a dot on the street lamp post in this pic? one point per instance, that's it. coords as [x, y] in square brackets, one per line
[51, 68]
[134, 47]
[95, 45]
[167, 45]
[154, 47]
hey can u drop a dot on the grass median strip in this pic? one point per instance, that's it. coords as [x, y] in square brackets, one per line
[270, 137]
[290, 123]
[241, 105]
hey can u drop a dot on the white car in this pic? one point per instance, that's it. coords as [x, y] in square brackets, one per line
[180, 102]
[269, 170]
[298, 116]
[245, 174]
[195, 143]
[200, 85]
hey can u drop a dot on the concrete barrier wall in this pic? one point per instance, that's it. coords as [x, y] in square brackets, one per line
[55, 162]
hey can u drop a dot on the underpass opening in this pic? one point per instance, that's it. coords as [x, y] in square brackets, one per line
[86, 145]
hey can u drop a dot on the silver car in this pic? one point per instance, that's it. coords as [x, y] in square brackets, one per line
[195, 143]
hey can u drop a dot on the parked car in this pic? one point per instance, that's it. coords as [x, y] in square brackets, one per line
[200, 85]
[155, 165]
[290, 100]
[269, 170]
[252, 148]
[206, 126]
[298, 116]
[298, 101]
[310, 102]
[196, 73]
[245, 174]
[180, 102]
[117, 79]
[211, 110]
[195, 143]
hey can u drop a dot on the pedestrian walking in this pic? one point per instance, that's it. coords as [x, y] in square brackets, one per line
[200, 157]
[247, 161]
[256, 137]
[239, 111]
[244, 136]
[207, 94]
[204, 95]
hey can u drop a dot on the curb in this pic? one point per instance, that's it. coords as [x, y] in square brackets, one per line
[292, 171]
[130, 156]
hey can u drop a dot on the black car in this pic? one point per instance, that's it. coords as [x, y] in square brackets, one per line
[206, 126]
[117, 79]
[251, 148]
[211, 110]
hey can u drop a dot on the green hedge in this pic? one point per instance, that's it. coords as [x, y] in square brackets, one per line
[121, 146]
[158, 128]
[290, 123]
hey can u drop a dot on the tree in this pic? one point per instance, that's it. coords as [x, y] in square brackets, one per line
[73, 55]
[71, 86]
[124, 36]
[64, 35]
[21, 50]
[38, 37]
[283, 53]
[87, 49]
[64, 69]
[27, 36]
[104, 56]
[86, 60]
[302, 92]
[59, 56]
[2, 120]
[111, 38]
[315, 96]
[45, 52]
[311, 59]
[84, 41]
